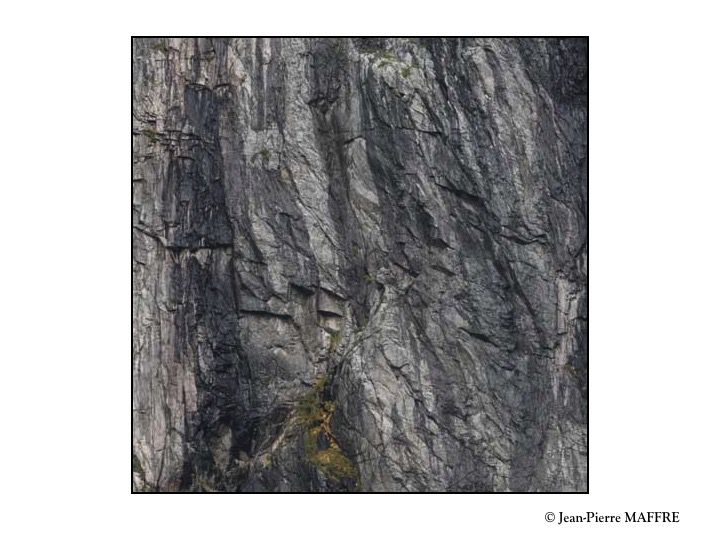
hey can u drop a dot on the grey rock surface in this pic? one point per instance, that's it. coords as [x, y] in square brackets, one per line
[359, 264]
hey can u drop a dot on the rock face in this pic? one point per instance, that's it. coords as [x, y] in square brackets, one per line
[359, 264]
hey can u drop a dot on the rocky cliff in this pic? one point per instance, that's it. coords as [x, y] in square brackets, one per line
[359, 264]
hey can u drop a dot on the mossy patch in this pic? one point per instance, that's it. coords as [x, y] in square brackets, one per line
[263, 155]
[151, 134]
[334, 341]
[571, 370]
[160, 47]
[314, 415]
[137, 468]
[385, 57]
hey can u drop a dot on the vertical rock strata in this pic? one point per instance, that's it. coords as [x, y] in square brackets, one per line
[359, 264]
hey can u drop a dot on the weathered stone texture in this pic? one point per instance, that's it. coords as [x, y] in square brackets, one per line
[403, 220]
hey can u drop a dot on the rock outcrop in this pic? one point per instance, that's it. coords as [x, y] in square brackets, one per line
[359, 264]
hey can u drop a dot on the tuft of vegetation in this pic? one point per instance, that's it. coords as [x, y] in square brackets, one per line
[137, 468]
[265, 153]
[151, 134]
[571, 370]
[385, 57]
[338, 46]
[405, 72]
[160, 47]
[314, 414]
[334, 341]
[368, 278]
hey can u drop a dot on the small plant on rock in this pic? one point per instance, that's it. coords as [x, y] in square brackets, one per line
[314, 414]
[151, 134]
[160, 47]
[334, 341]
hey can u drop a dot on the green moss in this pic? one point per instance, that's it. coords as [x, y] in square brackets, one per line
[385, 57]
[309, 407]
[160, 47]
[368, 278]
[405, 72]
[570, 370]
[334, 341]
[137, 467]
[151, 134]
[338, 46]
[314, 416]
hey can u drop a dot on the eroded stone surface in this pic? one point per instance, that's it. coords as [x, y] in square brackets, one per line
[404, 220]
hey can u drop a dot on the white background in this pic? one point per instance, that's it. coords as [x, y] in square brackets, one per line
[65, 273]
